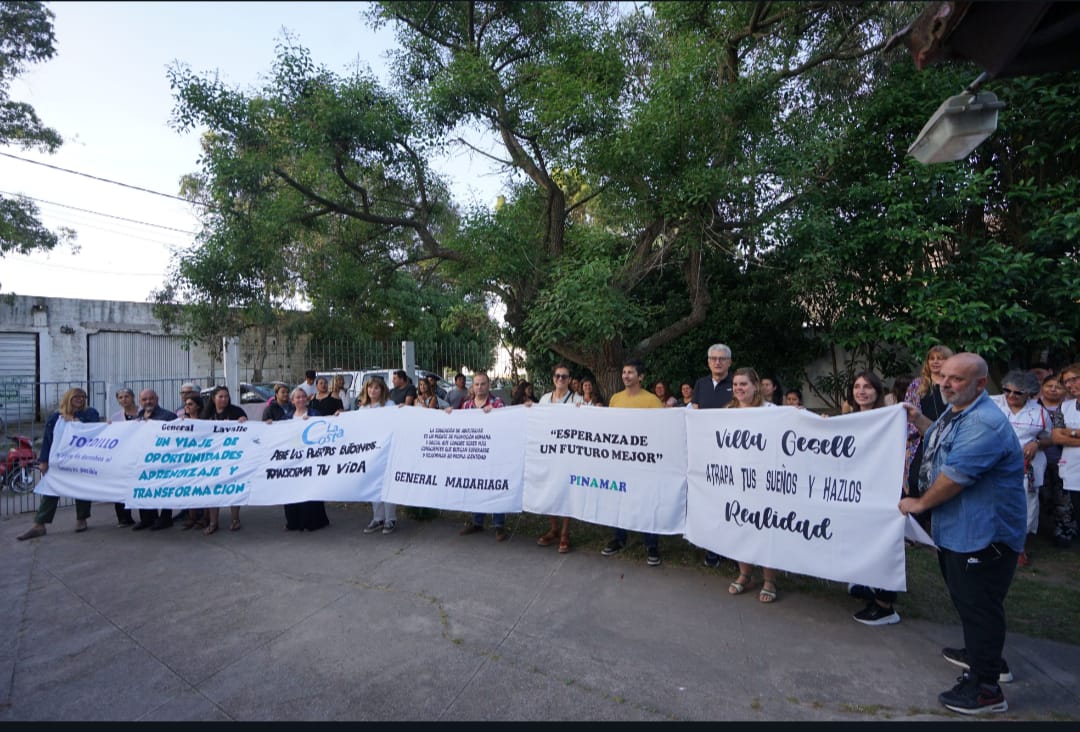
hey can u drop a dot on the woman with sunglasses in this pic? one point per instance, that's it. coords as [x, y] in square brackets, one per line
[1032, 425]
[560, 394]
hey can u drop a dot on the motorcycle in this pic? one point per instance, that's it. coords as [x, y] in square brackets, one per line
[19, 472]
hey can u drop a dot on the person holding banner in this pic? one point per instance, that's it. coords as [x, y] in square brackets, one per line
[714, 392]
[561, 394]
[383, 515]
[972, 476]
[306, 515]
[150, 518]
[746, 392]
[192, 409]
[73, 408]
[866, 393]
[634, 396]
[221, 408]
[125, 397]
[484, 400]
[280, 407]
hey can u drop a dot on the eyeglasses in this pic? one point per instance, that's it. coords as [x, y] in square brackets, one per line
[562, 376]
[1066, 382]
[190, 404]
[1012, 392]
[719, 358]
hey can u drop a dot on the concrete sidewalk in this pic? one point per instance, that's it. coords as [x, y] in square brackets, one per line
[423, 624]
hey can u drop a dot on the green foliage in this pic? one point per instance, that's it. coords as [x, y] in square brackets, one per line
[700, 172]
[888, 257]
[26, 36]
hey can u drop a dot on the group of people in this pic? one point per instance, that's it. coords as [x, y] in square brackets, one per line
[975, 465]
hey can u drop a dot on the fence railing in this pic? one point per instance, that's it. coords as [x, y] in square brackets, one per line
[27, 405]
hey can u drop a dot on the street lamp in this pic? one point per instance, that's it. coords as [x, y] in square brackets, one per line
[958, 126]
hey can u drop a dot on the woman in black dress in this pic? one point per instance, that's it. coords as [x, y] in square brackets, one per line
[323, 402]
[306, 515]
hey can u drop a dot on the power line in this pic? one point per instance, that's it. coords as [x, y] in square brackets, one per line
[104, 180]
[97, 213]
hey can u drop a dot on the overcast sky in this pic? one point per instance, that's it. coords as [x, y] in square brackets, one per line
[107, 94]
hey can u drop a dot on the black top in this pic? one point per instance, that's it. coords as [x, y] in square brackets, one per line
[398, 396]
[275, 411]
[232, 412]
[712, 396]
[329, 405]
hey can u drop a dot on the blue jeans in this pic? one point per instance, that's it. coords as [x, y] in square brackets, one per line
[651, 541]
[497, 519]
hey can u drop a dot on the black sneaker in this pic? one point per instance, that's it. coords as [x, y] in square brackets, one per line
[958, 657]
[652, 556]
[712, 561]
[874, 614]
[614, 547]
[971, 697]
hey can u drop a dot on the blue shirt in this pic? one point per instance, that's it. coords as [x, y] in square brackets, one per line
[978, 449]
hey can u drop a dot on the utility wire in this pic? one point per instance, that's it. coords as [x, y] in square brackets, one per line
[97, 213]
[104, 180]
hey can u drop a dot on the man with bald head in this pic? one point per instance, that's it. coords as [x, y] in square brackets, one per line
[972, 475]
[151, 410]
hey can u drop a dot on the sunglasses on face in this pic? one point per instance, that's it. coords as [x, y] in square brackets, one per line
[1012, 392]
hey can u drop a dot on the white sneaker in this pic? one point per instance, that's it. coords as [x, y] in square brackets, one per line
[372, 527]
[389, 527]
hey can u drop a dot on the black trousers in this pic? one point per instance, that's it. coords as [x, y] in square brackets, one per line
[977, 583]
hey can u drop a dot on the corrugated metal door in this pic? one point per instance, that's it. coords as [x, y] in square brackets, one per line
[138, 361]
[18, 377]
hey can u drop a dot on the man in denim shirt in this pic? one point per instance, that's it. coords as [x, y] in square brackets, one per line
[972, 475]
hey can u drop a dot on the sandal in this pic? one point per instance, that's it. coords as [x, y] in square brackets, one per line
[187, 526]
[235, 525]
[210, 528]
[564, 544]
[766, 595]
[739, 585]
[548, 539]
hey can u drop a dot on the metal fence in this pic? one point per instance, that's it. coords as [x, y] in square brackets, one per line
[28, 405]
[444, 358]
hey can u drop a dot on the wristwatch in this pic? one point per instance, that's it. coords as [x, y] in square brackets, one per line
[1072, 433]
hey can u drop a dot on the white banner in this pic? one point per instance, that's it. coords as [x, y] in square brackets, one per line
[178, 464]
[339, 458]
[782, 488]
[467, 460]
[787, 489]
[613, 467]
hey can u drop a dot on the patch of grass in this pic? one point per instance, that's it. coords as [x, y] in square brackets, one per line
[1043, 602]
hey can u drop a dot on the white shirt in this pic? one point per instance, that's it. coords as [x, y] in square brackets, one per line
[570, 398]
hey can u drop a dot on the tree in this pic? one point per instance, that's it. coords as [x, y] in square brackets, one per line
[26, 36]
[637, 147]
[888, 257]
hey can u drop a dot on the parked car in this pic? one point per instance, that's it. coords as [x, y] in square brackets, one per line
[354, 380]
[249, 393]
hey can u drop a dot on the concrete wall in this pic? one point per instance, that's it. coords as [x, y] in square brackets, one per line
[64, 324]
